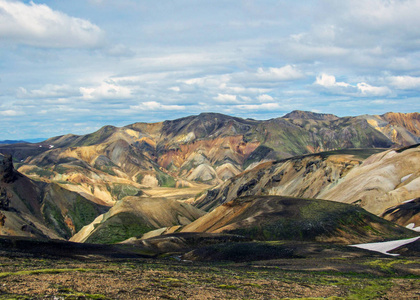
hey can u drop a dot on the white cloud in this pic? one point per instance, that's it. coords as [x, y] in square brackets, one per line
[268, 76]
[368, 90]
[329, 84]
[106, 91]
[329, 81]
[175, 88]
[11, 113]
[38, 25]
[226, 98]
[265, 98]
[155, 106]
[405, 82]
[255, 107]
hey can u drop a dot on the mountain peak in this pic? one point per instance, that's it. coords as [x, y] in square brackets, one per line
[300, 114]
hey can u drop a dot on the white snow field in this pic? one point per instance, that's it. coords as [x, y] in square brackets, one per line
[384, 247]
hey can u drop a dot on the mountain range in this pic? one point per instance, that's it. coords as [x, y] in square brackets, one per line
[212, 173]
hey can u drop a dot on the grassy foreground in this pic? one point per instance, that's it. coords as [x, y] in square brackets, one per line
[100, 278]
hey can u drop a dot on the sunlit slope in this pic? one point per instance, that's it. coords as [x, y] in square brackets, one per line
[209, 148]
[41, 210]
[374, 182]
[401, 129]
[383, 180]
[134, 216]
[290, 218]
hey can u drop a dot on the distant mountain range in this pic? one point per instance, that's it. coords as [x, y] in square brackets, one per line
[37, 140]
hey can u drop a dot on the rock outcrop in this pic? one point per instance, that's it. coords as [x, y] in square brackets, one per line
[8, 173]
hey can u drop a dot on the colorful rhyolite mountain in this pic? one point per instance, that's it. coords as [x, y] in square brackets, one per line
[143, 171]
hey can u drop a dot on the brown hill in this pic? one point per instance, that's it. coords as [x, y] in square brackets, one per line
[288, 218]
[406, 214]
[401, 129]
[135, 216]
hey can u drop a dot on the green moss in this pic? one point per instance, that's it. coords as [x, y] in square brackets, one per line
[387, 265]
[105, 165]
[42, 271]
[305, 219]
[120, 191]
[227, 287]
[139, 178]
[119, 228]
[83, 212]
[165, 180]
[60, 169]
[54, 218]
[97, 137]
[41, 172]
[372, 289]
[109, 170]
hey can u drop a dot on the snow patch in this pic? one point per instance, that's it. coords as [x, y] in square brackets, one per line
[412, 227]
[385, 247]
[407, 201]
[406, 177]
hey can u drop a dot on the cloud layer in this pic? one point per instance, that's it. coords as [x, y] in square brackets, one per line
[39, 25]
[74, 66]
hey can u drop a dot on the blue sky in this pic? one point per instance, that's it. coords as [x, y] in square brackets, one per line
[74, 66]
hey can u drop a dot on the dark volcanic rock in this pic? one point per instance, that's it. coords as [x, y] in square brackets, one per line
[7, 171]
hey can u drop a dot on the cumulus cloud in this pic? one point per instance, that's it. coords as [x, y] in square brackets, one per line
[106, 91]
[368, 90]
[329, 81]
[38, 25]
[231, 87]
[329, 84]
[405, 82]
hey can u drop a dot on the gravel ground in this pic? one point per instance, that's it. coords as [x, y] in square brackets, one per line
[96, 278]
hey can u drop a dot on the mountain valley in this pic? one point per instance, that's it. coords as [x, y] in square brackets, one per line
[290, 193]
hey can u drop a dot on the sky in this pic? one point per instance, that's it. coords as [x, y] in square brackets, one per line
[75, 66]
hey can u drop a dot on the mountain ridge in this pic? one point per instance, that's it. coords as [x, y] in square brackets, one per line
[200, 152]
[206, 148]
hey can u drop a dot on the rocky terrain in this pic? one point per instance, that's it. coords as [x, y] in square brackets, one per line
[208, 148]
[88, 187]
[41, 210]
[259, 209]
[353, 275]
[375, 182]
